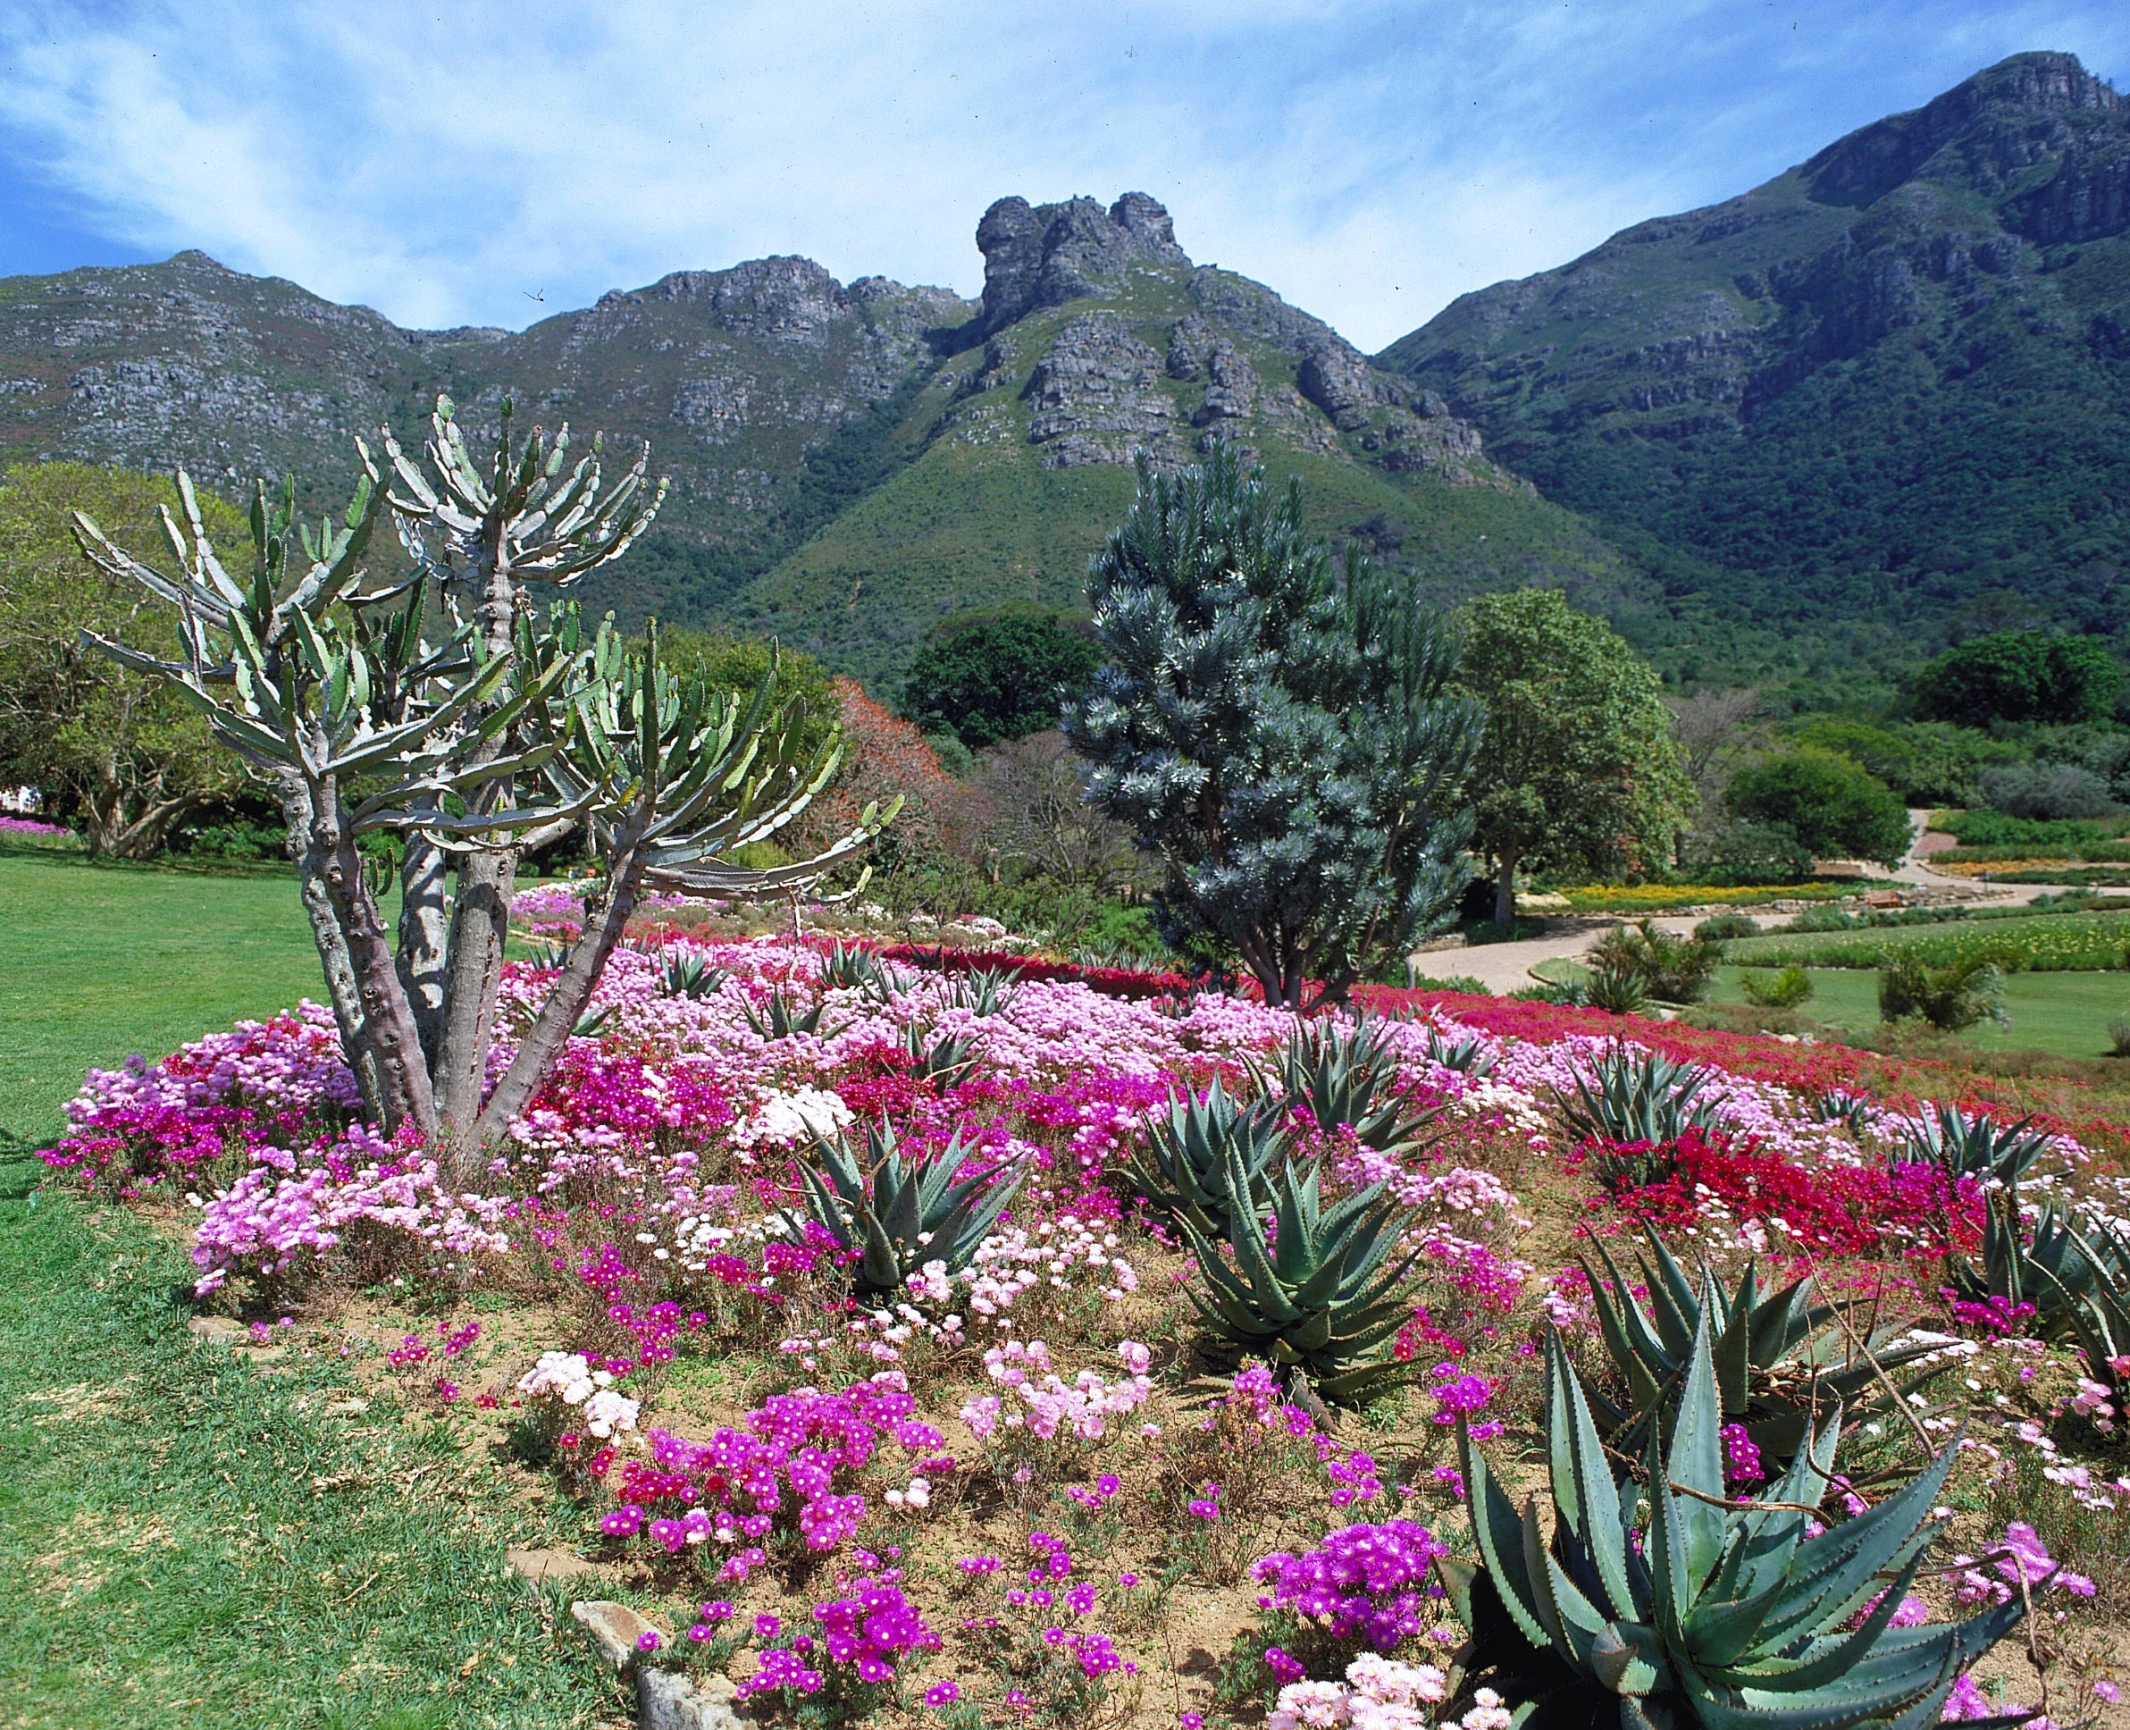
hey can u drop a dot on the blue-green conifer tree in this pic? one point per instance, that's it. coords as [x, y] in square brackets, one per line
[1276, 726]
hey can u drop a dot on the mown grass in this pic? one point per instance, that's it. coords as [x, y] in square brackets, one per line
[98, 960]
[187, 1539]
[2054, 942]
[2064, 1014]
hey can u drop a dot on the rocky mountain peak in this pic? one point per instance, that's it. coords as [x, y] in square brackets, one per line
[777, 296]
[1047, 254]
[1991, 127]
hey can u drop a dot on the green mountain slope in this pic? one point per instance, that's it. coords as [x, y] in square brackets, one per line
[1019, 464]
[1887, 393]
[850, 463]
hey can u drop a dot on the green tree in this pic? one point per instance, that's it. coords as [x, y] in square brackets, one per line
[994, 676]
[1279, 730]
[2019, 676]
[115, 754]
[1579, 774]
[1833, 805]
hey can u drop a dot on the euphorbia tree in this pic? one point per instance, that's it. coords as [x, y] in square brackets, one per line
[451, 712]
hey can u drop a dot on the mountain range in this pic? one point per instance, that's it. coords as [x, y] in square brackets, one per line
[1887, 392]
[1880, 398]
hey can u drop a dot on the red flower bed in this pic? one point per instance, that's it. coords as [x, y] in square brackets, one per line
[1127, 982]
[1832, 1210]
[1900, 1082]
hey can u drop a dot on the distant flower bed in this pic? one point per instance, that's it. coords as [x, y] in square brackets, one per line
[29, 829]
[1661, 897]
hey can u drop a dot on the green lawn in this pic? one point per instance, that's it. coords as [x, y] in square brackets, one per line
[2064, 1014]
[97, 961]
[187, 1539]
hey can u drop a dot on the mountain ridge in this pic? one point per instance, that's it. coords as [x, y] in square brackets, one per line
[852, 461]
[1885, 386]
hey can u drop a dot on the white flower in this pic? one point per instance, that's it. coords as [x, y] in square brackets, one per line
[606, 1411]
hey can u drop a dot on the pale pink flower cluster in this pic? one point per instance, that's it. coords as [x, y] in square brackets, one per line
[266, 1220]
[1010, 1263]
[1082, 1406]
[783, 1119]
[290, 1063]
[1378, 1694]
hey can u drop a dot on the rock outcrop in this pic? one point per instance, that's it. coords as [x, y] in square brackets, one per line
[1047, 254]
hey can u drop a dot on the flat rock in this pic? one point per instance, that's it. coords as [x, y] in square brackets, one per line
[547, 1564]
[346, 1408]
[667, 1700]
[221, 1328]
[615, 1629]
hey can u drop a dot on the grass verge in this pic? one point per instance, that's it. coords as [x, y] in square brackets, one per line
[187, 1536]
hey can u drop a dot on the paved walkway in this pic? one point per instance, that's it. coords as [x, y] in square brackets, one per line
[1506, 967]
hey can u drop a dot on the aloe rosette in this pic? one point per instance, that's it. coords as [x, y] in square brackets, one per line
[895, 1215]
[1692, 1610]
[1321, 1299]
[1347, 1077]
[1777, 1356]
[1183, 1167]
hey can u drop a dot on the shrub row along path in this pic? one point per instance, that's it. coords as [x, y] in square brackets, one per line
[1505, 967]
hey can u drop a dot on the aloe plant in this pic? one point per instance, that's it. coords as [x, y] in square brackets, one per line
[1347, 1076]
[2096, 1309]
[1970, 1146]
[1324, 1300]
[946, 1060]
[779, 1020]
[984, 990]
[1465, 1054]
[895, 1215]
[1642, 1102]
[1642, 1096]
[2050, 1272]
[856, 969]
[1694, 1611]
[1778, 1355]
[687, 974]
[1183, 1167]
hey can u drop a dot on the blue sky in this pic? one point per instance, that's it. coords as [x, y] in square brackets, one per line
[503, 161]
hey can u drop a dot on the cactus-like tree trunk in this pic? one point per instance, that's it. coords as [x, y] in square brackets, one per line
[389, 1041]
[424, 936]
[566, 1002]
[342, 992]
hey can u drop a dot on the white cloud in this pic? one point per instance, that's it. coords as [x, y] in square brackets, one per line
[1369, 160]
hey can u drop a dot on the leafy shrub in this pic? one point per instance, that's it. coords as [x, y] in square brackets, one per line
[1925, 762]
[2019, 676]
[995, 676]
[1739, 853]
[1670, 969]
[246, 841]
[2000, 829]
[1460, 982]
[1953, 997]
[1725, 926]
[1831, 805]
[2048, 792]
[1823, 919]
[2119, 1036]
[1783, 990]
